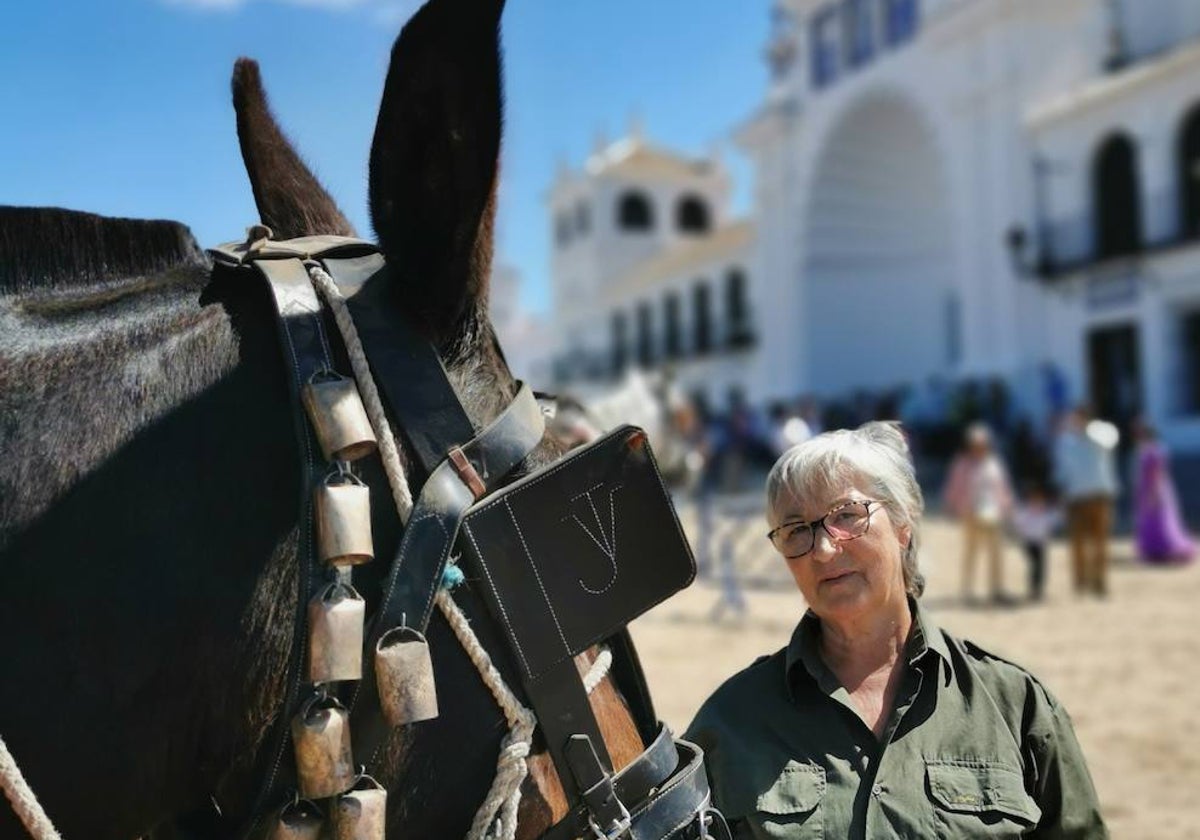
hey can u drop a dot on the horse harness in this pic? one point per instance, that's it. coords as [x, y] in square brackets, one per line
[566, 557]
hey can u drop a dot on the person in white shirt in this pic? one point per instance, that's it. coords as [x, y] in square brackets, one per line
[1086, 473]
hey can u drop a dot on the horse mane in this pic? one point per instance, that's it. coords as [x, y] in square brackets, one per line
[97, 312]
[47, 248]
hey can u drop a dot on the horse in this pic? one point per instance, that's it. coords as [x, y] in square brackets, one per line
[149, 479]
[649, 400]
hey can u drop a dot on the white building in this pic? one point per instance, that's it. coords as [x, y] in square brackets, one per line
[955, 188]
[523, 337]
[650, 270]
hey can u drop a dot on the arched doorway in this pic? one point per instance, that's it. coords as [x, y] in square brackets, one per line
[880, 308]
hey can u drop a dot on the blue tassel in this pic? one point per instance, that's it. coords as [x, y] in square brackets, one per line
[452, 576]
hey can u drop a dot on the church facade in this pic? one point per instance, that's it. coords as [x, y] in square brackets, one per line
[944, 189]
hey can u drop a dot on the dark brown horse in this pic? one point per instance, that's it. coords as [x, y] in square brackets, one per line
[149, 476]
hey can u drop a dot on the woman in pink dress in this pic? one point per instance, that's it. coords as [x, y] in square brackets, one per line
[1162, 536]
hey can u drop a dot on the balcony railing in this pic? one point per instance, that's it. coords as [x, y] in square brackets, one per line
[1068, 245]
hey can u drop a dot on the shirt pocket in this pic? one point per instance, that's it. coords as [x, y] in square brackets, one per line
[788, 809]
[978, 798]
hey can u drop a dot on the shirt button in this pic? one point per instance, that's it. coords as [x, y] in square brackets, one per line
[877, 790]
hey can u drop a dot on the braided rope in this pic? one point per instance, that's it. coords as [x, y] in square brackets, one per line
[502, 800]
[598, 671]
[496, 818]
[22, 798]
[392, 464]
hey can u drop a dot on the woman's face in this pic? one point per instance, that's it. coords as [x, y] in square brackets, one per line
[851, 578]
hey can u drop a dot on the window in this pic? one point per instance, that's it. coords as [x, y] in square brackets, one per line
[634, 213]
[583, 218]
[702, 318]
[824, 47]
[562, 229]
[1116, 210]
[900, 21]
[860, 31]
[953, 327]
[691, 215]
[620, 342]
[645, 336]
[1189, 175]
[672, 339]
[736, 311]
[1190, 334]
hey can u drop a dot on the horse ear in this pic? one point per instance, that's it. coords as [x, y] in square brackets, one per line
[435, 156]
[290, 199]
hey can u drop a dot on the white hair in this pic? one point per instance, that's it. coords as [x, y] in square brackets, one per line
[876, 453]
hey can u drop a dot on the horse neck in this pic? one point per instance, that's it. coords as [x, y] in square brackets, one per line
[139, 584]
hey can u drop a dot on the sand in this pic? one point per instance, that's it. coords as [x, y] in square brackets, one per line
[1127, 668]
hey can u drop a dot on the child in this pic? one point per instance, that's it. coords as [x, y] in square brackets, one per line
[1034, 519]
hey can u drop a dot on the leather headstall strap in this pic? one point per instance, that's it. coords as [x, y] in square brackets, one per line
[306, 352]
[414, 386]
[461, 466]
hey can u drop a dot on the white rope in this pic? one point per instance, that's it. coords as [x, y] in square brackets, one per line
[499, 809]
[388, 452]
[598, 671]
[23, 801]
[496, 818]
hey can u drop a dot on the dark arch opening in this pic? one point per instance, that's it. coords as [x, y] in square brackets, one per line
[634, 213]
[1189, 174]
[1117, 211]
[691, 215]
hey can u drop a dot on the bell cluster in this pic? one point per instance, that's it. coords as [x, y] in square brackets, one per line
[355, 804]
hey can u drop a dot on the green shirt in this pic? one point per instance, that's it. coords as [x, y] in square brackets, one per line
[975, 747]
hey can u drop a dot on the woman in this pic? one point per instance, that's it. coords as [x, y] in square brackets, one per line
[1162, 536]
[979, 494]
[873, 722]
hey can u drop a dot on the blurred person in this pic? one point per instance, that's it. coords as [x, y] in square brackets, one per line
[1162, 536]
[809, 411]
[1086, 474]
[1034, 520]
[788, 428]
[873, 721]
[979, 494]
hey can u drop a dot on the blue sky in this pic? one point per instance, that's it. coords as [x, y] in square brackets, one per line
[122, 106]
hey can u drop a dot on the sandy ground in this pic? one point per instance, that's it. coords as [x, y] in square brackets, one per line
[1126, 668]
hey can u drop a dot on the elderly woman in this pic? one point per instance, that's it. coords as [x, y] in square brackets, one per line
[873, 722]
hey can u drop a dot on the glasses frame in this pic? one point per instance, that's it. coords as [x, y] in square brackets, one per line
[812, 526]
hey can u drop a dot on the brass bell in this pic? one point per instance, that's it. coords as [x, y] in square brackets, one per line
[343, 508]
[360, 813]
[338, 417]
[404, 676]
[321, 737]
[335, 634]
[298, 820]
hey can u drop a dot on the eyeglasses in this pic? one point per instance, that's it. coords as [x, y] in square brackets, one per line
[847, 521]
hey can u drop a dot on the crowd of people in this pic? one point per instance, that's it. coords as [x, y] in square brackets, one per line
[1009, 478]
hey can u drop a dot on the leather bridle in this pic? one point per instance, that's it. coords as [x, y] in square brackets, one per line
[661, 794]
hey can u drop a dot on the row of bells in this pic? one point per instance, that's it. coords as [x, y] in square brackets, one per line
[336, 615]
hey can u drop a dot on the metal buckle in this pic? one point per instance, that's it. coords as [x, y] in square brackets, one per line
[618, 829]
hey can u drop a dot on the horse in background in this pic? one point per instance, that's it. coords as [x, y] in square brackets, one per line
[148, 513]
[650, 400]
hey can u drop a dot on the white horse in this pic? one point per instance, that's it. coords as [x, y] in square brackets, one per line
[650, 401]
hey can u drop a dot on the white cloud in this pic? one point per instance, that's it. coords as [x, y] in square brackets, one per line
[335, 5]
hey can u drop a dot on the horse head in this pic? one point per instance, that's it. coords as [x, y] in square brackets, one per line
[151, 586]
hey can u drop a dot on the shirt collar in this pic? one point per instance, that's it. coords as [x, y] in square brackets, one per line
[925, 639]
